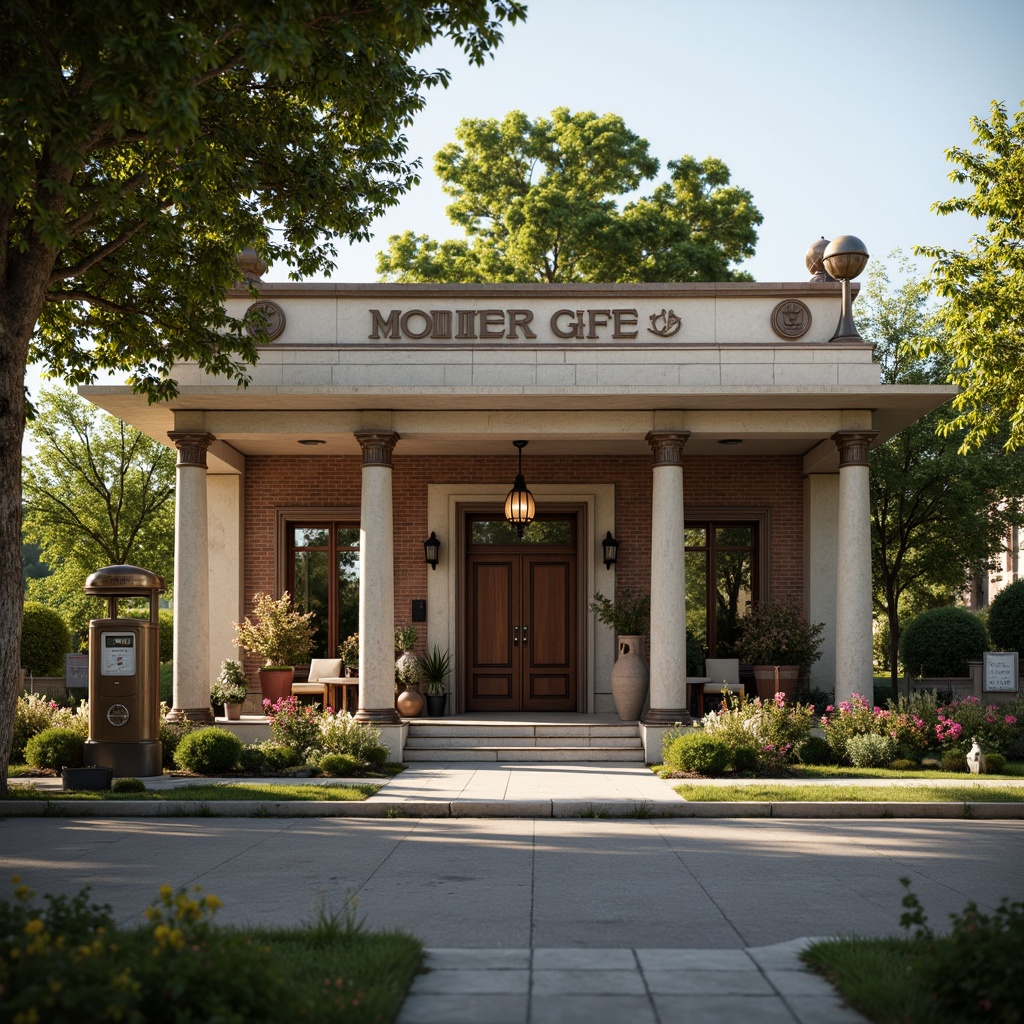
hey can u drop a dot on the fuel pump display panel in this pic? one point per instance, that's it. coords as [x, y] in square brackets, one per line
[117, 654]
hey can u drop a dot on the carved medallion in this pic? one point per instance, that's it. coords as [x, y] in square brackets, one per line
[664, 324]
[791, 319]
[272, 314]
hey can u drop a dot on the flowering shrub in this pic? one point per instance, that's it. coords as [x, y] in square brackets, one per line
[959, 722]
[293, 724]
[342, 734]
[33, 714]
[909, 723]
[871, 750]
[775, 728]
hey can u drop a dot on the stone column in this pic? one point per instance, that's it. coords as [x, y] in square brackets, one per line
[376, 582]
[854, 672]
[191, 581]
[668, 582]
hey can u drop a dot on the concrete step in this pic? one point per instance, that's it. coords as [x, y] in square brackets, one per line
[516, 730]
[522, 754]
[421, 741]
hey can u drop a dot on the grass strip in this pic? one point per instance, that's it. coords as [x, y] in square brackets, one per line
[767, 792]
[209, 792]
[1014, 770]
[877, 977]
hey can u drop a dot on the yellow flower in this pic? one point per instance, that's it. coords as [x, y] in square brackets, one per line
[34, 927]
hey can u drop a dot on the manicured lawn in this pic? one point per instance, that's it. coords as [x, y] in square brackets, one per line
[1014, 770]
[776, 793]
[213, 792]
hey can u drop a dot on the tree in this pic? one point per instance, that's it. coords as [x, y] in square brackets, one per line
[538, 201]
[984, 318]
[97, 493]
[143, 144]
[937, 515]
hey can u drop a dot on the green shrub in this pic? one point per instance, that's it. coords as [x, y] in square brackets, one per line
[869, 750]
[744, 759]
[954, 761]
[166, 617]
[55, 748]
[277, 756]
[340, 765]
[33, 714]
[252, 759]
[128, 785]
[815, 750]
[995, 764]
[45, 639]
[903, 764]
[1006, 618]
[941, 641]
[696, 752]
[341, 734]
[208, 751]
[171, 734]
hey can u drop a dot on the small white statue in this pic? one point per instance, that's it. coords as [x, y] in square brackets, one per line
[975, 759]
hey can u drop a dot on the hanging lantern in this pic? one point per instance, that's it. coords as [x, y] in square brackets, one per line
[520, 508]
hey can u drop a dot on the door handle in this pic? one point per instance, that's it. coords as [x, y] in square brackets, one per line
[515, 636]
[526, 635]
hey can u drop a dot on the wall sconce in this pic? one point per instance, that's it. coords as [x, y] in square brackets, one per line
[520, 508]
[432, 550]
[610, 550]
[844, 258]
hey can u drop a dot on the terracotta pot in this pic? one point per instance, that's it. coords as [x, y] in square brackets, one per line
[773, 679]
[276, 683]
[630, 678]
[410, 703]
[789, 676]
[764, 677]
[233, 712]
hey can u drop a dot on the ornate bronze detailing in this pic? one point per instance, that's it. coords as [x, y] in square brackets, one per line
[377, 446]
[853, 446]
[191, 445]
[667, 446]
[664, 324]
[791, 319]
[273, 316]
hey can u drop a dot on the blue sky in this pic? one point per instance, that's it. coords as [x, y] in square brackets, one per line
[835, 116]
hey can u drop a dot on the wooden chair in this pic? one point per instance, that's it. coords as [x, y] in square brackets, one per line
[723, 674]
[320, 670]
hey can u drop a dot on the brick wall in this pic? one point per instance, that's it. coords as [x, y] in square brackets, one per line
[773, 482]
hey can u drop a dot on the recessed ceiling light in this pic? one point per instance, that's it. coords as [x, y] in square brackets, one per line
[731, 440]
[312, 441]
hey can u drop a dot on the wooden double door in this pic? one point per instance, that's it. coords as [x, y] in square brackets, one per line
[521, 629]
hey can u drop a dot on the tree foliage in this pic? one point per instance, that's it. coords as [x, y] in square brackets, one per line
[97, 492]
[540, 201]
[983, 319]
[937, 515]
[144, 143]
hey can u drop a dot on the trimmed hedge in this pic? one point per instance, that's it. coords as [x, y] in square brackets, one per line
[55, 748]
[208, 751]
[940, 642]
[697, 752]
[1006, 618]
[45, 639]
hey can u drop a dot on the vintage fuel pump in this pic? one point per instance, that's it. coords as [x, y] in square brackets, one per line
[124, 675]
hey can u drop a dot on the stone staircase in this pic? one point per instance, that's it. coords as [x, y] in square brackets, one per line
[589, 738]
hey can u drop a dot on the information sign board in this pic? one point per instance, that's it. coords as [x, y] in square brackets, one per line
[1000, 672]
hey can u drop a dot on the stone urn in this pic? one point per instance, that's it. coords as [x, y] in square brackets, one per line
[410, 703]
[233, 712]
[630, 678]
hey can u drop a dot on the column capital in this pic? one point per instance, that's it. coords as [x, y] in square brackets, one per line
[853, 446]
[192, 446]
[377, 446]
[667, 446]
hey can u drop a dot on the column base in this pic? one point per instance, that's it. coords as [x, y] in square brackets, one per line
[667, 716]
[190, 715]
[378, 716]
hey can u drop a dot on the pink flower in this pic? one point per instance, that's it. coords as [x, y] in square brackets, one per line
[1011, 719]
[830, 708]
[780, 700]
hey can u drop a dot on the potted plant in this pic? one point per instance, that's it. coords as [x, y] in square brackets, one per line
[230, 689]
[435, 668]
[349, 654]
[409, 700]
[780, 643]
[281, 636]
[630, 617]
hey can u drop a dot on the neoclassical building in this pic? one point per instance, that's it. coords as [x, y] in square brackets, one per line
[716, 431]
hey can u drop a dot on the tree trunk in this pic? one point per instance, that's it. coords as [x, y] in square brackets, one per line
[13, 357]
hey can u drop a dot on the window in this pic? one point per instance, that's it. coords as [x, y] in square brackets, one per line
[724, 574]
[322, 572]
